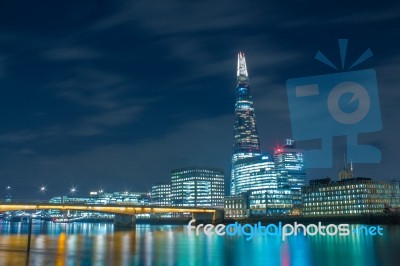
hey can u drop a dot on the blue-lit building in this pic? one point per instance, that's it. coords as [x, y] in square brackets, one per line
[272, 184]
[259, 202]
[255, 173]
[197, 186]
[270, 202]
[266, 191]
[290, 165]
[101, 197]
[245, 137]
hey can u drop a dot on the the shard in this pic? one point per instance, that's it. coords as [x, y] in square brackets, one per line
[245, 137]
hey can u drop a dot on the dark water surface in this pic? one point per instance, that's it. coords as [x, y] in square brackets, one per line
[102, 244]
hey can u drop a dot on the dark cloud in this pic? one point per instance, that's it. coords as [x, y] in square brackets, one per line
[71, 54]
[96, 124]
[20, 136]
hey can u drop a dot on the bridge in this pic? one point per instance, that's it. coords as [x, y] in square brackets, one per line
[124, 213]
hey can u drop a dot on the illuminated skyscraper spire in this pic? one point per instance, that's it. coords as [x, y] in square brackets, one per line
[242, 75]
[245, 137]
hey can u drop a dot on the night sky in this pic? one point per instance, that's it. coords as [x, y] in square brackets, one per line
[115, 94]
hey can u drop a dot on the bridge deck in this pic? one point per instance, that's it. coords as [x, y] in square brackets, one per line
[106, 208]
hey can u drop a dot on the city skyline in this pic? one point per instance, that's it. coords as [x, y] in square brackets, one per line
[115, 95]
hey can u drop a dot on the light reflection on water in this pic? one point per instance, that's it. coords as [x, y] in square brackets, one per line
[102, 244]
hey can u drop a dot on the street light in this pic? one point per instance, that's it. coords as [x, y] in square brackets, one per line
[73, 190]
[8, 195]
[42, 190]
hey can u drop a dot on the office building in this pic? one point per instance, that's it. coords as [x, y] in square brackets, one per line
[255, 173]
[236, 207]
[258, 203]
[266, 191]
[101, 197]
[197, 186]
[350, 196]
[270, 202]
[161, 194]
[289, 163]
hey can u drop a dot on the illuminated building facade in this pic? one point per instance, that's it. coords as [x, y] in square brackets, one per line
[259, 202]
[267, 192]
[289, 163]
[270, 202]
[236, 206]
[197, 186]
[350, 196]
[255, 173]
[161, 194]
[101, 197]
[245, 137]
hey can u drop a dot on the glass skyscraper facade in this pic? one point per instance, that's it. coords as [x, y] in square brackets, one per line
[245, 137]
[272, 184]
[197, 186]
[267, 192]
[289, 163]
[255, 173]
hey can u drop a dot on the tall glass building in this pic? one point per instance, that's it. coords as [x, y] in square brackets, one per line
[289, 163]
[267, 191]
[245, 137]
[197, 186]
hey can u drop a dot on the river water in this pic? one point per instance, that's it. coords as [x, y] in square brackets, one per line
[102, 244]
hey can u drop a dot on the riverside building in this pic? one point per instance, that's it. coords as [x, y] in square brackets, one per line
[161, 194]
[290, 165]
[197, 186]
[349, 196]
